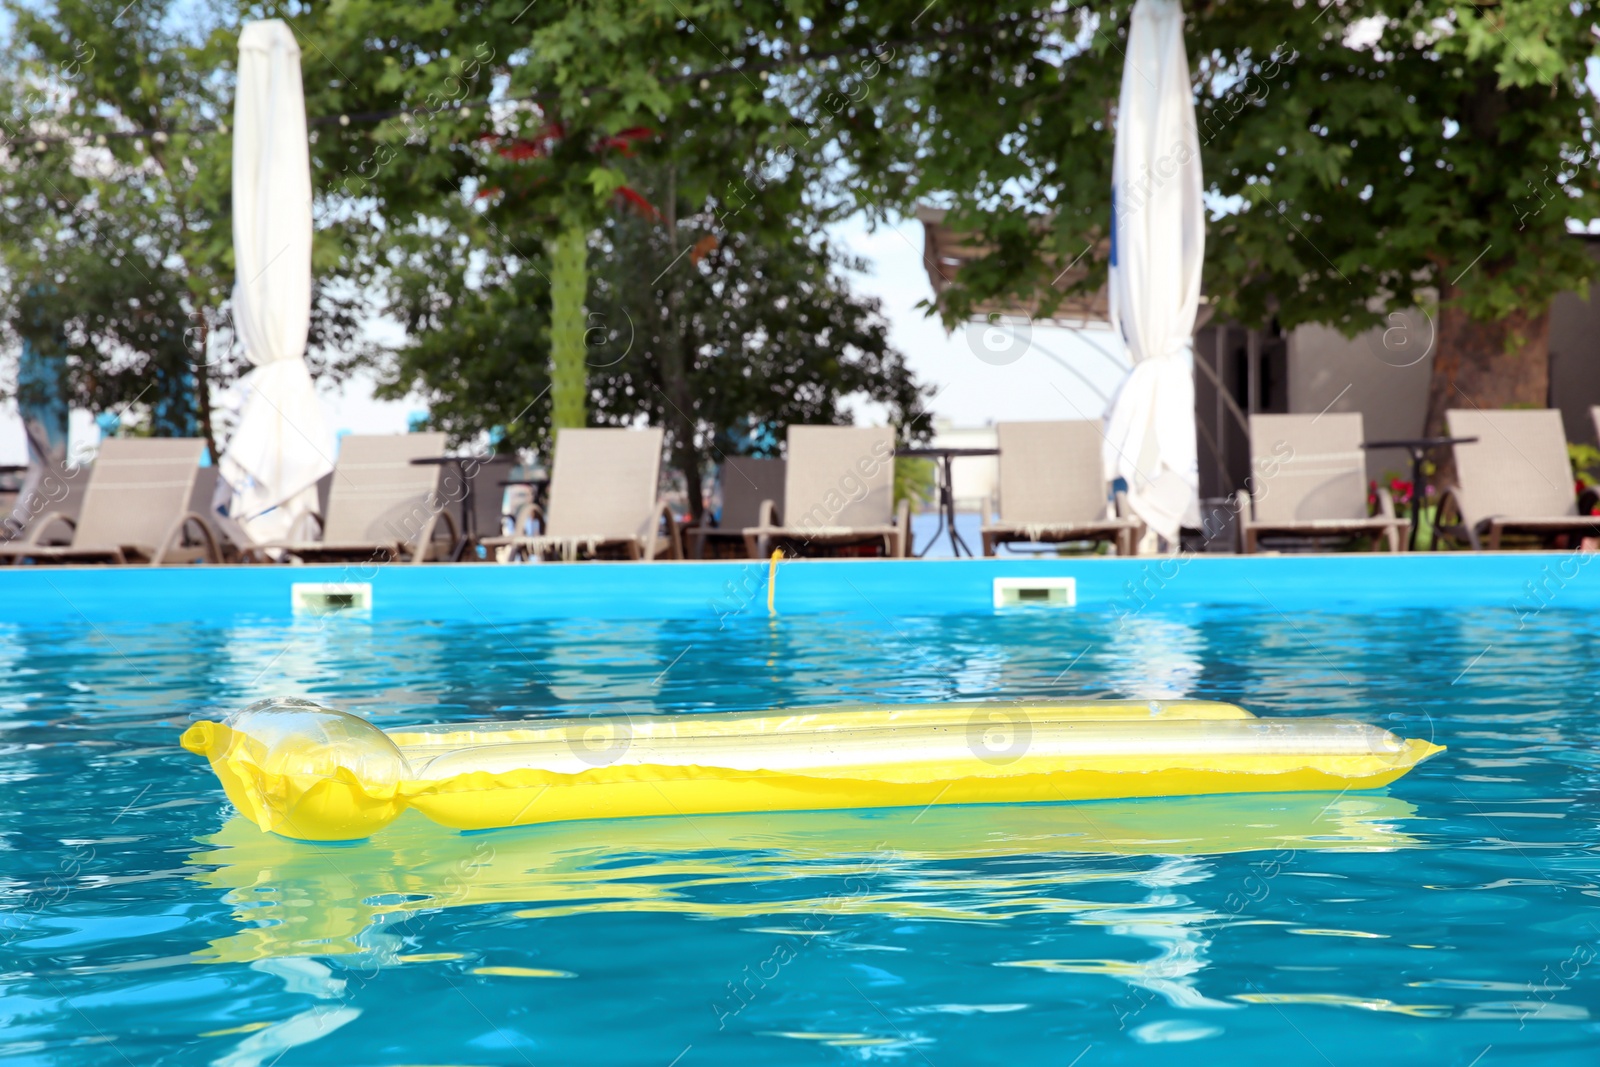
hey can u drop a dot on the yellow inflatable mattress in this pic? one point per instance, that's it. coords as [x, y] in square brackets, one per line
[308, 772]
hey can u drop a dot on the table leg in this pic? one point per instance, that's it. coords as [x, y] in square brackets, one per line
[937, 533]
[948, 495]
[467, 536]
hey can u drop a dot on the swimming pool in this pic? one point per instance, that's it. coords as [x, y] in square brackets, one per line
[1452, 914]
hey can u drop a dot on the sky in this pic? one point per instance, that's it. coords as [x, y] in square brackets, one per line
[979, 374]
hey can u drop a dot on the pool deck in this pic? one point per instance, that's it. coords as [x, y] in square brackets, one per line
[1521, 582]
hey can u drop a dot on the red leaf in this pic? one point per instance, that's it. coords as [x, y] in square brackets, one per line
[639, 203]
[520, 150]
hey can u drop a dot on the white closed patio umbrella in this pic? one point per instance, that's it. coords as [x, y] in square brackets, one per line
[1157, 246]
[282, 445]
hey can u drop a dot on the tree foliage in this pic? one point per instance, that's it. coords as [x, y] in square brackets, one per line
[1360, 157]
[523, 123]
[1357, 155]
[476, 323]
[767, 331]
[767, 334]
[116, 250]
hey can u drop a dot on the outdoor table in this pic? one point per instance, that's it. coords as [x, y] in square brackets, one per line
[469, 525]
[1419, 447]
[947, 496]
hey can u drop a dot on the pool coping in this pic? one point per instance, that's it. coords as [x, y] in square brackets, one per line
[1525, 583]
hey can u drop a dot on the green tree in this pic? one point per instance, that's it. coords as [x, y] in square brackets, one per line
[496, 113]
[1361, 158]
[522, 126]
[1429, 154]
[116, 248]
[472, 319]
[116, 238]
[762, 333]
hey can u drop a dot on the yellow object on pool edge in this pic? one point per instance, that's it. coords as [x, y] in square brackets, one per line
[304, 771]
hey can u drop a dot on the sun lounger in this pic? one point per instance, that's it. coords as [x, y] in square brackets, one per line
[603, 498]
[1309, 481]
[1515, 478]
[745, 482]
[135, 509]
[838, 490]
[1053, 489]
[381, 506]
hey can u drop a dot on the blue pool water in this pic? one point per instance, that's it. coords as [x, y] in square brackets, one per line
[1452, 919]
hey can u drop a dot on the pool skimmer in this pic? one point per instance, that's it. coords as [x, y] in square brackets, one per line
[329, 598]
[1042, 592]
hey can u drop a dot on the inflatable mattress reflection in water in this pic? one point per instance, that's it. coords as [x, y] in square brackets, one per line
[309, 772]
[297, 898]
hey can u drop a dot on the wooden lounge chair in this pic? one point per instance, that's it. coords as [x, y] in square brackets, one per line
[838, 490]
[135, 509]
[1053, 489]
[1515, 478]
[746, 482]
[381, 506]
[1309, 481]
[603, 500]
